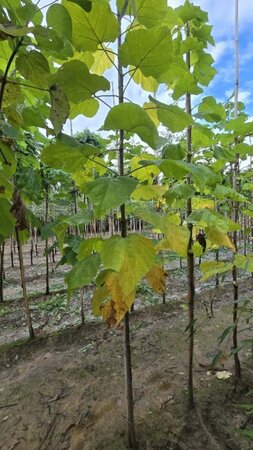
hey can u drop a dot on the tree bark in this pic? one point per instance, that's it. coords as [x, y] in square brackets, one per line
[190, 255]
[23, 281]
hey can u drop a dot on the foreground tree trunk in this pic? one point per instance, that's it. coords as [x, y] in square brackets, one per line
[46, 242]
[236, 208]
[190, 256]
[23, 281]
[2, 273]
[127, 347]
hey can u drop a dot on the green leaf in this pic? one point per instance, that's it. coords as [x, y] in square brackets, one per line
[30, 13]
[211, 268]
[90, 29]
[178, 192]
[88, 246]
[148, 50]
[210, 110]
[83, 272]
[201, 175]
[12, 30]
[67, 154]
[8, 161]
[33, 66]
[60, 108]
[33, 117]
[151, 12]
[132, 118]
[173, 151]
[88, 108]
[203, 71]
[248, 212]
[172, 116]
[222, 192]
[78, 83]
[108, 193]
[7, 221]
[208, 218]
[178, 78]
[85, 4]
[201, 136]
[80, 218]
[132, 257]
[244, 262]
[149, 216]
[59, 19]
[189, 12]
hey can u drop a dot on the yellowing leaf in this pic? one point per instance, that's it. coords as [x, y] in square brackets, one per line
[211, 268]
[151, 109]
[109, 313]
[201, 203]
[219, 238]
[97, 300]
[117, 305]
[143, 173]
[244, 262]
[121, 303]
[148, 191]
[132, 257]
[156, 277]
[87, 108]
[103, 60]
[147, 83]
[176, 239]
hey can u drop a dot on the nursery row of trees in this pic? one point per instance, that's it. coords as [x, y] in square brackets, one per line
[189, 187]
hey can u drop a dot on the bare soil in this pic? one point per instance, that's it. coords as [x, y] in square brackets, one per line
[65, 388]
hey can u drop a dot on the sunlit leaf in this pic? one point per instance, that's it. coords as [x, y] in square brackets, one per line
[134, 119]
[90, 29]
[148, 50]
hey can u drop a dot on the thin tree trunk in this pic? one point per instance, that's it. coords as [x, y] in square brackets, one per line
[217, 280]
[46, 242]
[12, 255]
[23, 281]
[82, 291]
[236, 210]
[127, 347]
[2, 273]
[190, 257]
[31, 253]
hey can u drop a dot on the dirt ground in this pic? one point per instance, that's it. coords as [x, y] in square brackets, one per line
[65, 389]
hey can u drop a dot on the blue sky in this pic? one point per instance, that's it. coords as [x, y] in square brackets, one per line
[221, 16]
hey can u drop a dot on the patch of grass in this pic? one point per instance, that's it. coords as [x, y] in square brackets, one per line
[4, 310]
[55, 304]
[145, 293]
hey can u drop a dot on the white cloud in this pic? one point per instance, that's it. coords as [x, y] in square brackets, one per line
[221, 15]
[221, 49]
[243, 96]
